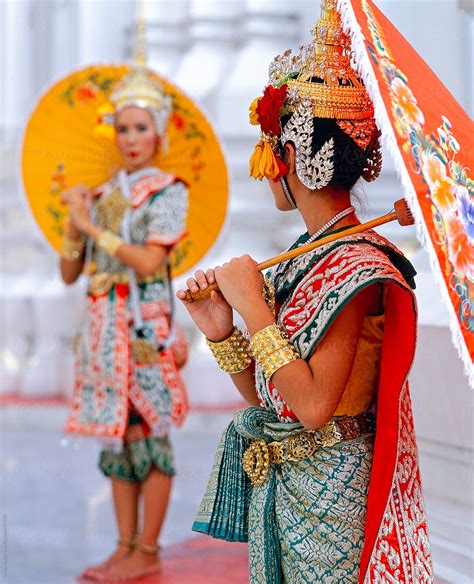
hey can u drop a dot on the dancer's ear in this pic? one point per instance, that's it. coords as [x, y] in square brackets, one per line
[290, 157]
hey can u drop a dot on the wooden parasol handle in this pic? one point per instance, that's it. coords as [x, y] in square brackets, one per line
[401, 214]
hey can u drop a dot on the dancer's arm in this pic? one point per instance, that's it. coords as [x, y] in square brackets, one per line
[144, 260]
[214, 317]
[71, 269]
[311, 388]
[245, 383]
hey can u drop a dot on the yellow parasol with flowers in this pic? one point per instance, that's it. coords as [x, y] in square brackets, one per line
[67, 142]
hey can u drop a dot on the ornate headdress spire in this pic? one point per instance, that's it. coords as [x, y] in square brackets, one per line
[140, 42]
[340, 94]
[317, 82]
[140, 88]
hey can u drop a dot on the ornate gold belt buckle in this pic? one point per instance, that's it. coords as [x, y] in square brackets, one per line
[301, 446]
[329, 435]
[278, 452]
[256, 462]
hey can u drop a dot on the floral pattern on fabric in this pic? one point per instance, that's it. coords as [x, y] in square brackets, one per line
[402, 550]
[167, 216]
[320, 506]
[447, 184]
[134, 462]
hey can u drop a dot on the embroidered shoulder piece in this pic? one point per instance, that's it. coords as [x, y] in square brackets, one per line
[329, 284]
[289, 273]
[167, 213]
[150, 185]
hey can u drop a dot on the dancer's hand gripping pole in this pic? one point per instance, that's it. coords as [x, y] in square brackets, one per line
[401, 213]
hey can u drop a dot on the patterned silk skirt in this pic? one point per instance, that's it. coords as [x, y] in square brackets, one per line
[320, 509]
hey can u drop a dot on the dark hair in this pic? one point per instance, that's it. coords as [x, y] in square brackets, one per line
[349, 158]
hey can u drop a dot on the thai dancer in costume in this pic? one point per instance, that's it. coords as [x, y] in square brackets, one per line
[331, 490]
[128, 387]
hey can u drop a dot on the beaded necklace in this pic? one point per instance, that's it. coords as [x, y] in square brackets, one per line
[283, 266]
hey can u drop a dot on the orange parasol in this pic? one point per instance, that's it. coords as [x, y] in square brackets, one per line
[430, 138]
[61, 148]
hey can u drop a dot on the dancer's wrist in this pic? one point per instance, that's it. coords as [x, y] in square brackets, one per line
[233, 353]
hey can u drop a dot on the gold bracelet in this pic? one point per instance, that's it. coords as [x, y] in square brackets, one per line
[72, 249]
[109, 242]
[232, 354]
[272, 350]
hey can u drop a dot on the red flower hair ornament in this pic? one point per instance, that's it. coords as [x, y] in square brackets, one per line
[266, 112]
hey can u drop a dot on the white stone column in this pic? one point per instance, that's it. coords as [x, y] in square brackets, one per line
[103, 26]
[167, 34]
[265, 32]
[65, 37]
[16, 69]
[214, 33]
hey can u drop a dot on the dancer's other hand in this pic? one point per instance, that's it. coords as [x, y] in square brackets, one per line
[213, 315]
[241, 284]
[78, 200]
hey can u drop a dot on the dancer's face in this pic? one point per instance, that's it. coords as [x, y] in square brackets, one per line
[136, 137]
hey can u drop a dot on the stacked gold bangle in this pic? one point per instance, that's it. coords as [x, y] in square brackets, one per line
[272, 350]
[109, 242]
[232, 354]
[72, 249]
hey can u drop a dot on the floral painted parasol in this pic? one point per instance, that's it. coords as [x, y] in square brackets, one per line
[62, 147]
[430, 138]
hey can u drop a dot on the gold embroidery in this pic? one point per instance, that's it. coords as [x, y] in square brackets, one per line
[144, 352]
[111, 209]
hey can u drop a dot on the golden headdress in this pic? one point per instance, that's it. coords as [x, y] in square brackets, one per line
[317, 82]
[139, 88]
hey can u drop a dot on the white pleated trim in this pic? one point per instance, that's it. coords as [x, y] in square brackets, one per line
[366, 71]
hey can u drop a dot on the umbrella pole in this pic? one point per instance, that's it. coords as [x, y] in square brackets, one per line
[289, 255]
[401, 213]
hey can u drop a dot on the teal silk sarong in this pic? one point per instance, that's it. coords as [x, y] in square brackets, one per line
[306, 522]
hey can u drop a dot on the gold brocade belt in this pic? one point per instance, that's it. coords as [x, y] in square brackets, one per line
[260, 454]
[102, 282]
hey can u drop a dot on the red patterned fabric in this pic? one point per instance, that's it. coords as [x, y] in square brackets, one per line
[396, 541]
[95, 375]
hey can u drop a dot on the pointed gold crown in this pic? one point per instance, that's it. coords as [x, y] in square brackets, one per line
[322, 71]
[317, 82]
[140, 89]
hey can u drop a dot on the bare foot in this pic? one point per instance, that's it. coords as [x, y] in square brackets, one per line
[135, 565]
[119, 554]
